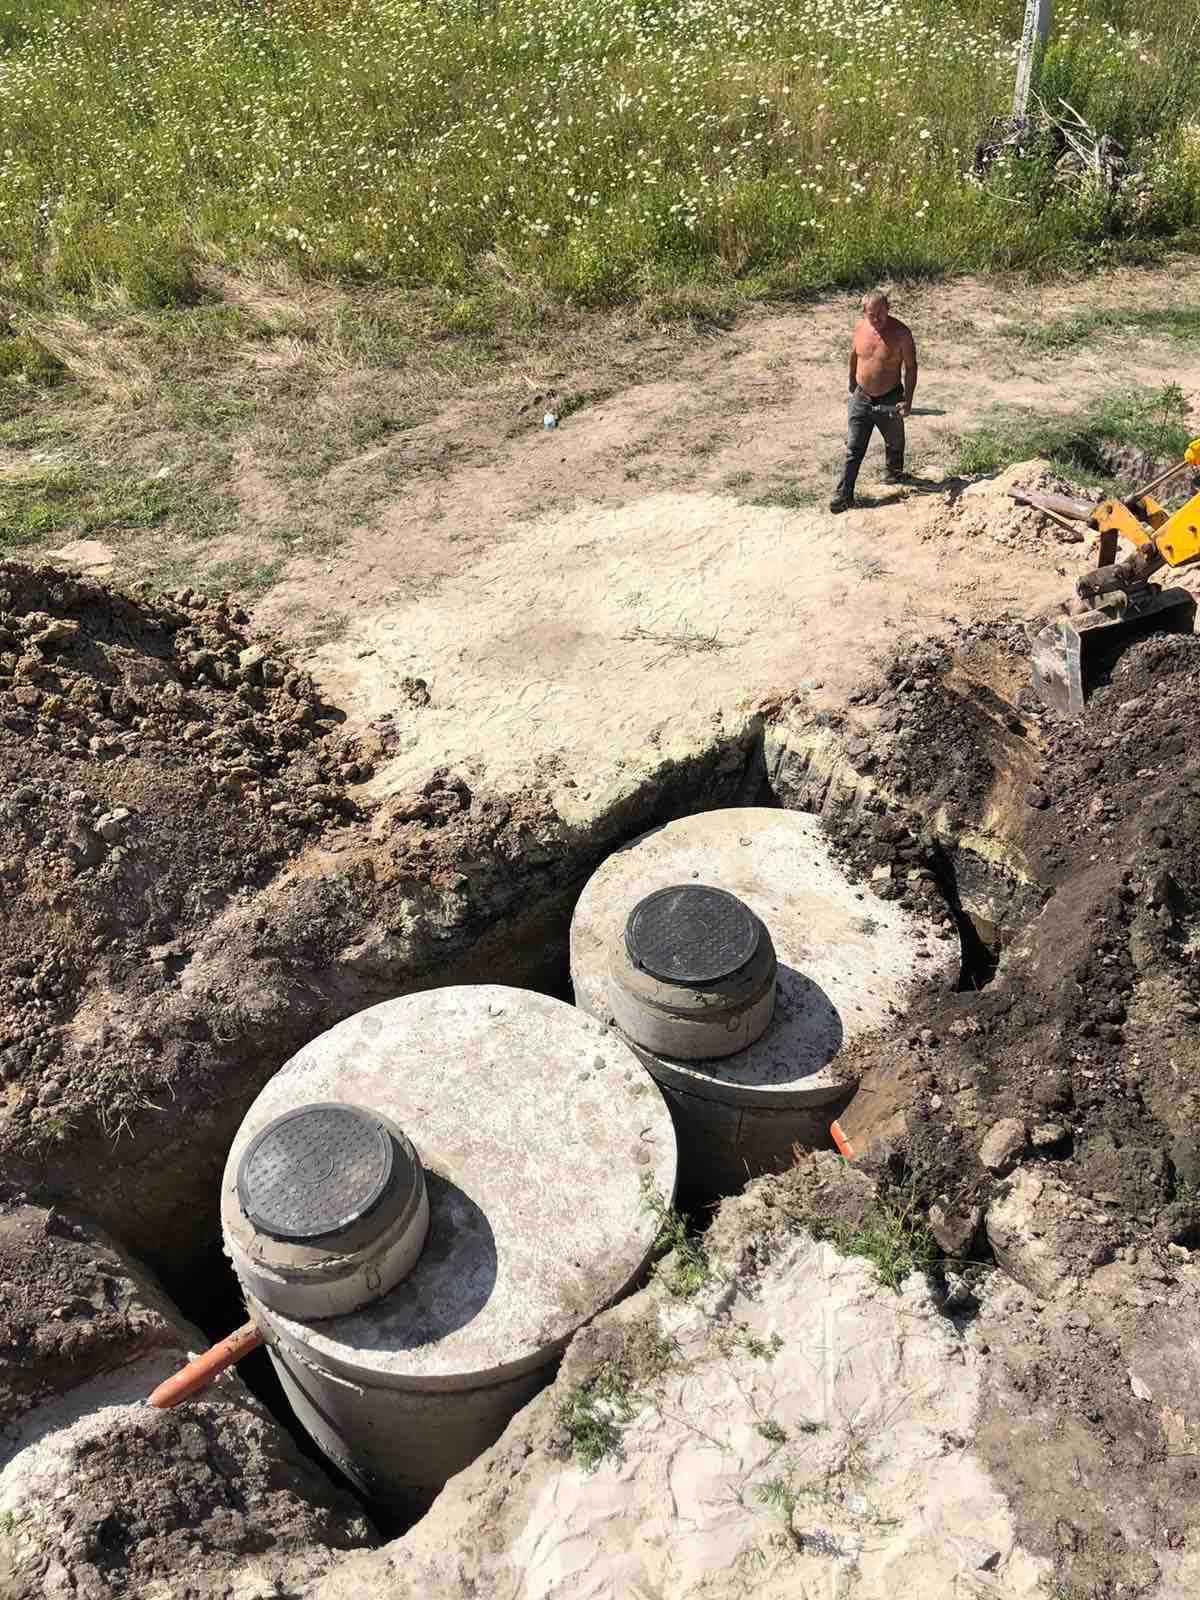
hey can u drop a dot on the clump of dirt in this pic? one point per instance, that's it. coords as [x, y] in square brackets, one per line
[72, 1308]
[210, 1501]
[154, 761]
[983, 511]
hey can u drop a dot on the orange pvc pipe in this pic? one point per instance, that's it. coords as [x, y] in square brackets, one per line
[840, 1139]
[206, 1369]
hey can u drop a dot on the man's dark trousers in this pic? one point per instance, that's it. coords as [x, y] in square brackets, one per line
[862, 418]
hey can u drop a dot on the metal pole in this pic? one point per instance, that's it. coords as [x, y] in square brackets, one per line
[1033, 39]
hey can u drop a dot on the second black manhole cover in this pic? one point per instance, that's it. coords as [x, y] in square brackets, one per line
[691, 934]
[314, 1171]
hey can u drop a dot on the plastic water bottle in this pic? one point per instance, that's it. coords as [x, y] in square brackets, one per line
[550, 420]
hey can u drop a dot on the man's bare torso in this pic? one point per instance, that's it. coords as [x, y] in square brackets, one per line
[881, 354]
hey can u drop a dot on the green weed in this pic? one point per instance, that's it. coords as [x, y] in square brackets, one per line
[894, 1238]
[771, 1431]
[682, 1266]
[780, 1497]
[592, 1414]
[79, 501]
[243, 574]
[789, 494]
[1151, 420]
[1059, 334]
[760, 1349]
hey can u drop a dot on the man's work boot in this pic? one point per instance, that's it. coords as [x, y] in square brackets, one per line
[897, 475]
[842, 502]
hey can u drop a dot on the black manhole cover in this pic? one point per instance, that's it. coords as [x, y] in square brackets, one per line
[691, 934]
[314, 1171]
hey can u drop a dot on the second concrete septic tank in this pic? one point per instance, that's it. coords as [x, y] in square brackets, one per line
[738, 959]
[425, 1203]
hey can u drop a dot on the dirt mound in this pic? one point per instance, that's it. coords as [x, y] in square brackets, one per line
[1097, 809]
[154, 762]
[100, 1495]
[1071, 1081]
[983, 511]
[73, 1307]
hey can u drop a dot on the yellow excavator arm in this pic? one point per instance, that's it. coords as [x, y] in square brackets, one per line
[1174, 535]
[1115, 596]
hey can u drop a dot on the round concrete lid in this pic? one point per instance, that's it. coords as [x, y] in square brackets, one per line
[539, 1132]
[691, 934]
[846, 959]
[314, 1171]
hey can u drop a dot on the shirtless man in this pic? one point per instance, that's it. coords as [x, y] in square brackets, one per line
[882, 347]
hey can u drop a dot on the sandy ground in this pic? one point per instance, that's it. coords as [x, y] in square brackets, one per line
[573, 593]
[810, 1442]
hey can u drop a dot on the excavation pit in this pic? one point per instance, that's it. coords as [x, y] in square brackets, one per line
[831, 965]
[543, 1146]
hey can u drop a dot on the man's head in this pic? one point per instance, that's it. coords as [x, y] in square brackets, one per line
[876, 309]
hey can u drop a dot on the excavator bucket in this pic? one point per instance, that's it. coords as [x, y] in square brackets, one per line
[1071, 654]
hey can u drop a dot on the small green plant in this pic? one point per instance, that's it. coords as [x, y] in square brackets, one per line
[789, 494]
[779, 1495]
[893, 1236]
[761, 1349]
[593, 1413]
[682, 1265]
[771, 1431]
[9, 1523]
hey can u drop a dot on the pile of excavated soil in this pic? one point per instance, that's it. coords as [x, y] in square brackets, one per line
[1047, 1120]
[101, 1495]
[1089, 1035]
[983, 511]
[154, 763]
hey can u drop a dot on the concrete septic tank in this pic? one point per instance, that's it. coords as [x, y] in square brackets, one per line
[740, 1003]
[461, 1175]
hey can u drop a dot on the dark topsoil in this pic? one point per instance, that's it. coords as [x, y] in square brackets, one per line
[1090, 1031]
[153, 765]
[1082, 1050]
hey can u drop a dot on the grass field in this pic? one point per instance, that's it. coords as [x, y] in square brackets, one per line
[601, 149]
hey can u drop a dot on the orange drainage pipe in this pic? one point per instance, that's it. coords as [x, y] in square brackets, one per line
[840, 1139]
[206, 1369]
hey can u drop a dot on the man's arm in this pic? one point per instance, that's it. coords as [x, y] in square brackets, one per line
[909, 357]
[853, 369]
